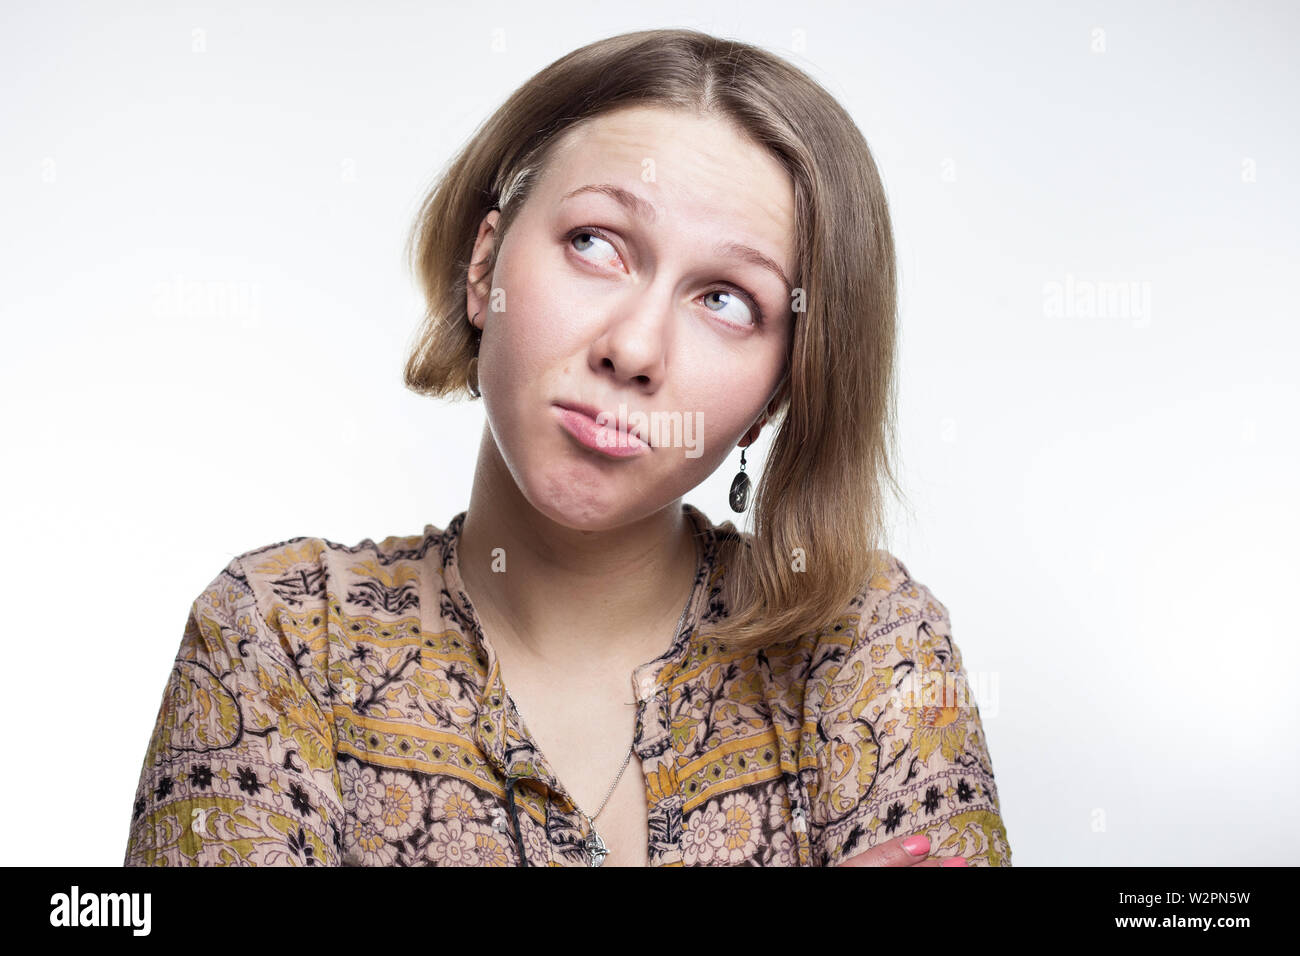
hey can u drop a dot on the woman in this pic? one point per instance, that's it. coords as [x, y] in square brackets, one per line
[653, 248]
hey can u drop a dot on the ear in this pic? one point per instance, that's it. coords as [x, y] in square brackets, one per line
[478, 281]
[773, 404]
[778, 394]
[751, 436]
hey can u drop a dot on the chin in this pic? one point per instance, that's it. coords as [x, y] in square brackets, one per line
[588, 502]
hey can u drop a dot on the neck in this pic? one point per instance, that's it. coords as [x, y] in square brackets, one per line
[572, 597]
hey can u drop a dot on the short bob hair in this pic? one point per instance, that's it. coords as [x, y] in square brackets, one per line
[819, 510]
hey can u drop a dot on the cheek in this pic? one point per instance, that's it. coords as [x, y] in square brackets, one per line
[541, 320]
[722, 416]
[527, 360]
[519, 342]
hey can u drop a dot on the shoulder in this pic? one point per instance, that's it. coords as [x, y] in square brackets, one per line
[266, 562]
[286, 601]
[889, 603]
[316, 572]
[892, 600]
[889, 606]
[891, 634]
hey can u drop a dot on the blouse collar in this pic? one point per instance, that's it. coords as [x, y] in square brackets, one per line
[498, 726]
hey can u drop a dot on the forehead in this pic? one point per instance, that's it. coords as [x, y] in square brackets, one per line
[700, 170]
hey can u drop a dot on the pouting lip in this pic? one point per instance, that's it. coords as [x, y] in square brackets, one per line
[611, 419]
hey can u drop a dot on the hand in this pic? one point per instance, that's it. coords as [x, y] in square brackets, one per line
[894, 853]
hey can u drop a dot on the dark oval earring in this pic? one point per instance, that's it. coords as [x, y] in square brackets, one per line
[471, 373]
[740, 487]
[471, 378]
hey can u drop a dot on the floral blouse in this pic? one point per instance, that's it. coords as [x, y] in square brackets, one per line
[340, 705]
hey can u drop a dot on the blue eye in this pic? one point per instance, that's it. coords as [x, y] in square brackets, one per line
[591, 236]
[754, 316]
[736, 298]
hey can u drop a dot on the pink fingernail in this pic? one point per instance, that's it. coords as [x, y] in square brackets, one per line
[955, 861]
[917, 845]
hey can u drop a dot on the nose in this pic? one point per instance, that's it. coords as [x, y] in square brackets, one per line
[634, 344]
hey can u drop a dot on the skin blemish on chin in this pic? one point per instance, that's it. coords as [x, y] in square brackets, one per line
[575, 491]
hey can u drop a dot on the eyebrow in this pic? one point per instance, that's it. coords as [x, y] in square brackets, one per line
[648, 211]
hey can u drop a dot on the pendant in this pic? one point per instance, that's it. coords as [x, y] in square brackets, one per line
[739, 496]
[596, 850]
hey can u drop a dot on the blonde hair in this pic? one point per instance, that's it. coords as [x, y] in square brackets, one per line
[824, 482]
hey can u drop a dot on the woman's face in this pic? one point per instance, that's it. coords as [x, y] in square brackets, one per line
[646, 309]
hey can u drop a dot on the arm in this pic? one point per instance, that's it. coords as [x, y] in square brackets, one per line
[902, 745]
[240, 767]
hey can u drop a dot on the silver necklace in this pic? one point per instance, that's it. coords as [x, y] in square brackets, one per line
[594, 845]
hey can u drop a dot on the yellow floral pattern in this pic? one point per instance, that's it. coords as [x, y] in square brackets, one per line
[905, 742]
[340, 705]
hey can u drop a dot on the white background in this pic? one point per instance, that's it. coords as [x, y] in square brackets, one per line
[205, 314]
